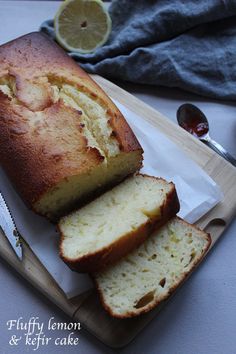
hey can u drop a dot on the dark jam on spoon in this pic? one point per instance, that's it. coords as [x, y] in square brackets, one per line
[193, 120]
[193, 126]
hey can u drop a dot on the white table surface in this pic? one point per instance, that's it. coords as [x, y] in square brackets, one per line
[201, 317]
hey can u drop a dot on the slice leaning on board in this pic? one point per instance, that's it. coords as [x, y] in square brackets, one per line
[114, 224]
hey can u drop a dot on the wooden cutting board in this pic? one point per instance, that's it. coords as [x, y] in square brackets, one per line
[86, 308]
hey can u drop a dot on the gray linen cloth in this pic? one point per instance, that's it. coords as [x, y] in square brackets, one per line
[190, 44]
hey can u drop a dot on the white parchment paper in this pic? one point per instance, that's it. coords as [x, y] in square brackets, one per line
[198, 193]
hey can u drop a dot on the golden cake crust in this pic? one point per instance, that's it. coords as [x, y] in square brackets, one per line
[42, 141]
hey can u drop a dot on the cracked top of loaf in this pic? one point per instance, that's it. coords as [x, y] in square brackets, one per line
[56, 122]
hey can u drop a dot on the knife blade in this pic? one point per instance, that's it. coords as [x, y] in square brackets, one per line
[9, 229]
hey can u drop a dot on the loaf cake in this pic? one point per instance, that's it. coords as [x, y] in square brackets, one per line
[148, 275]
[61, 137]
[115, 223]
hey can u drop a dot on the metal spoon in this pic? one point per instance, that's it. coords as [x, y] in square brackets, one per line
[192, 119]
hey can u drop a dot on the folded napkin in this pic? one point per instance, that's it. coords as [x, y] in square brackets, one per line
[175, 43]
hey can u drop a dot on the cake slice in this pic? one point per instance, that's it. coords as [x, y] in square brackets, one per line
[115, 223]
[148, 275]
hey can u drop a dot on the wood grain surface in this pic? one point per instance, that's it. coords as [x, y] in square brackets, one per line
[86, 308]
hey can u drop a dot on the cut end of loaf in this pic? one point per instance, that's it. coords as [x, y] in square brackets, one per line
[75, 190]
[148, 275]
[115, 223]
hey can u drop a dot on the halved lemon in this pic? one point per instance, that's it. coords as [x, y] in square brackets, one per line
[82, 25]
